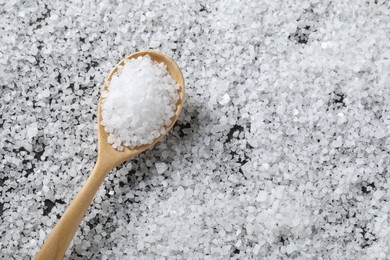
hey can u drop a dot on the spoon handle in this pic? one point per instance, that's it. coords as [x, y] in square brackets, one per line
[62, 234]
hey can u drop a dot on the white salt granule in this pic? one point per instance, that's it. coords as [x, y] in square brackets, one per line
[256, 249]
[291, 248]
[139, 103]
[262, 195]
[45, 189]
[32, 130]
[225, 99]
[161, 168]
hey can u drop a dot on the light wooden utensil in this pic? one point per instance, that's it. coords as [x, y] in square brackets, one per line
[62, 234]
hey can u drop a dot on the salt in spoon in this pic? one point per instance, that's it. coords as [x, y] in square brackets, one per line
[108, 158]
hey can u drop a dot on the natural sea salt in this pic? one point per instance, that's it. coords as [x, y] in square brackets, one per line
[139, 102]
[258, 95]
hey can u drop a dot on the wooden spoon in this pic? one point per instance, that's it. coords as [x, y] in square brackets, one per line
[62, 234]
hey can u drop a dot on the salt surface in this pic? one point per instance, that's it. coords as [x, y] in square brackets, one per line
[307, 123]
[139, 103]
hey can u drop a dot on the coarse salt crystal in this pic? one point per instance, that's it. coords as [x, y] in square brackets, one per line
[262, 195]
[161, 168]
[256, 249]
[291, 248]
[225, 99]
[32, 131]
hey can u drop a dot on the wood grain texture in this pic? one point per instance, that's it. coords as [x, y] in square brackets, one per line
[62, 234]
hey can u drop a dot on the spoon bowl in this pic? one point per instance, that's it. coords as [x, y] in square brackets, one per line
[104, 148]
[108, 158]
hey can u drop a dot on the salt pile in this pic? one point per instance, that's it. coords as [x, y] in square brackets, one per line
[281, 150]
[139, 102]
